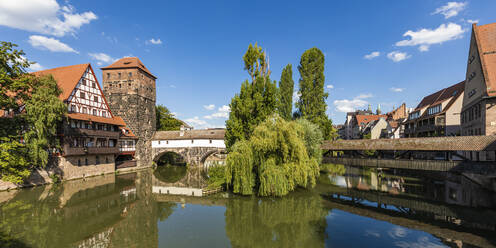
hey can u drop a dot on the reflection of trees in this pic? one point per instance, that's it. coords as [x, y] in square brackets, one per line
[120, 211]
[296, 220]
[170, 173]
[165, 209]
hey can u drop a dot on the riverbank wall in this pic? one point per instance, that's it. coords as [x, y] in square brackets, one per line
[66, 169]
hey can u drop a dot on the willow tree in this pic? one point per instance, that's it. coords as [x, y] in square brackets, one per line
[286, 86]
[255, 101]
[311, 104]
[273, 162]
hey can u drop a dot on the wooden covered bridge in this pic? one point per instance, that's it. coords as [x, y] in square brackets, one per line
[475, 153]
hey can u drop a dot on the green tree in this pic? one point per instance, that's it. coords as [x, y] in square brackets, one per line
[312, 105]
[286, 86]
[166, 120]
[273, 162]
[14, 166]
[313, 139]
[37, 113]
[257, 99]
[44, 112]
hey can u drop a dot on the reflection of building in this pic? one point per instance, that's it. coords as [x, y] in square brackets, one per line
[437, 114]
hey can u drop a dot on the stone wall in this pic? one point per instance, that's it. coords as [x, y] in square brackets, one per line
[70, 168]
[132, 96]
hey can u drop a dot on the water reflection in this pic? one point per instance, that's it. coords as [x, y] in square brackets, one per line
[354, 207]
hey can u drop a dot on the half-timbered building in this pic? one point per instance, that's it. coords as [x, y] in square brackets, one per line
[90, 134]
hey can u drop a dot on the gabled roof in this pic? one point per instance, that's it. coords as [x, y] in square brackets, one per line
[67, 77]
[368, 118]
[485, 37]
[436, 98]
[128, 62]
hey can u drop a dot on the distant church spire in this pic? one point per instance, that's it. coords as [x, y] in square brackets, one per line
[378, 109]
[369, 109]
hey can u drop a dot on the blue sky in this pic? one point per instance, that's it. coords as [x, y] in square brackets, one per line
[377, 52]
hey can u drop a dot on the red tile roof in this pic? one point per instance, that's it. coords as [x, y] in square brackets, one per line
[126, 132]
[128, 62]
[442, 95]
[485, 36]
[67, 77]
[368, 118]
[116, 120]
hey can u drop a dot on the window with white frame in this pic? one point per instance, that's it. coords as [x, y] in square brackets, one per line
[434, 109]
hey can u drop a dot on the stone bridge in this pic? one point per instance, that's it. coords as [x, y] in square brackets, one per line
[195, 146]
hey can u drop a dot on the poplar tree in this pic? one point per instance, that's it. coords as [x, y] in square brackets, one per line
[312, 105]
[286, 86]
[256, 99]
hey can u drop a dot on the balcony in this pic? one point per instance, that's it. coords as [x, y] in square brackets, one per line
[73, 151]
[92, 132]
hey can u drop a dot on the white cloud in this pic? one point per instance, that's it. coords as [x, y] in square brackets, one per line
[36, 67]
[33, 67]
[394, 89]
[398, 56]
[450, 9]
[426, 37]
[222, 112]
[364, 96]
[196, 122]
[102, 58]
[154, 41]
[372, 55]
[43, 16]
[50, 44]
[346, 105]
[423, 48]
[472, 21]
[209, 107]
[330, 86]
[172, 86]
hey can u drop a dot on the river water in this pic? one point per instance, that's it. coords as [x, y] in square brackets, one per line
[350, 207]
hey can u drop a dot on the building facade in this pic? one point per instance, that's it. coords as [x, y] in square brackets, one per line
[90, 134]
[437, 114]
[131, 91]
[478, 115]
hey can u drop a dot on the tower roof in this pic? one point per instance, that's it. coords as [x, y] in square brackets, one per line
[485, 36]
[67, 77]
[128, 62]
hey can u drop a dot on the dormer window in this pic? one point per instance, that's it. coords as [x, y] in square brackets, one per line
[434, 110]
[414, 115]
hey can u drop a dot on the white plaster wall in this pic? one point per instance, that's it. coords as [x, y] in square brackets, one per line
[188, 143]
[176, 191]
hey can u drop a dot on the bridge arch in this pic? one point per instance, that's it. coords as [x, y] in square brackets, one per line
[195, 146]
[180, 156]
